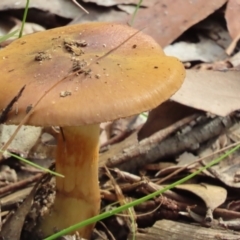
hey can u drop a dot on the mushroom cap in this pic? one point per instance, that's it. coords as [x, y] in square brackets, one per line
[80, 85]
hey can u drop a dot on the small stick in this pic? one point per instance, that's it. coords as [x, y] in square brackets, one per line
[20, 184]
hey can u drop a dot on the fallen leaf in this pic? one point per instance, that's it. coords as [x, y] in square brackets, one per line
[64, 8]
[227, 170]
[183, 160]
[206, 50]
[163, 116]
[129, 9]
[232, 17]
[101, 15]
[213, 196]
[213, 29]
[8, 174]
[28, 28]
[23, 142]
[186, 158]
[15, 197]
[108, 3]
[168, 19]
[235, 60]
[12, 228]
[163, 20]
[210, 91]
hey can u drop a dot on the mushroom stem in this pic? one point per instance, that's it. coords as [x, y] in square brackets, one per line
[77, 195]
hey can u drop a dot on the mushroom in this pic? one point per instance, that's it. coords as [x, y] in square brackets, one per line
[84, 75]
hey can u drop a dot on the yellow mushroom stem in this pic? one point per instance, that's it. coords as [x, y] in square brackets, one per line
[77, 195]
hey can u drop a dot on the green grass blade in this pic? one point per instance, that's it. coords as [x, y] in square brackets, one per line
[12, 34]
[135, 12]
[24, 19]
[138, 201]
[34, 165]
[7, 36]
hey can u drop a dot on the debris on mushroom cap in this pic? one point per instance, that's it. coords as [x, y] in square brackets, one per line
[133, 78]
[65, 93]
[40, 56]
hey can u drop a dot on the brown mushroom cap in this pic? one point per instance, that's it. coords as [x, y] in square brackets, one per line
[135, 77]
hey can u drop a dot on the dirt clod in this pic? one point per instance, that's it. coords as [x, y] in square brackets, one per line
[75, 46]
[41, 56]
[65, 93]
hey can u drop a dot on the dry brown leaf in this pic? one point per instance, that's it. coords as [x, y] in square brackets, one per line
[164, 20]
[210, 91]
[24, 140]
[28, 29]
[235, 60]
[183, 160]
[8, 174]
[215, 30]
[168, 19]
[108, 3]
[187, 158]
[206, 50]
[12, 228]
[15, 197]
[232, 17]
[101, 15]
[163, 116]
[213, 196]
[129, 9]
[64, 8]
[227, 170]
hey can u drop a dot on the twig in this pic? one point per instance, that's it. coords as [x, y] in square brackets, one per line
[193, 163]
[151, 149]
[121, 129]
[149, 186]
[144, 152]
[117, 138]
[129, 213]
[20, 184]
